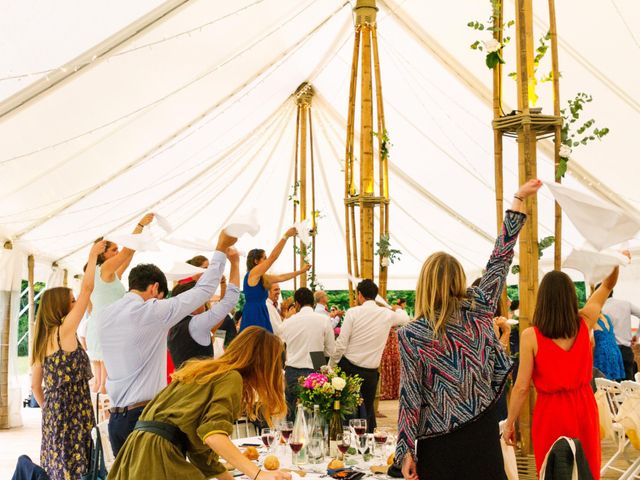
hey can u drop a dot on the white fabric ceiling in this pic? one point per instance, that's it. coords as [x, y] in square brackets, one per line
[193, 118]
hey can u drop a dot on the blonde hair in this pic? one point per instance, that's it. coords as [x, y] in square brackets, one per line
[441, 289]
[257, 355]
[54, 306]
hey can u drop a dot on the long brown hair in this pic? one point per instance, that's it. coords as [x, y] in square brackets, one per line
[556, 314]
[441, 289]
[256, 354]
[54, 306]
[107, 246]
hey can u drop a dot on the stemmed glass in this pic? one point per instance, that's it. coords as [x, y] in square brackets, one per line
[343, 441]
[296, 442]
[268, 437]
[358, 426]
[286, 428]
[380, 436]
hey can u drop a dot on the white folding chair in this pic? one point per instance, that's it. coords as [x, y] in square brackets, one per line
[109, 458]
[614, 395]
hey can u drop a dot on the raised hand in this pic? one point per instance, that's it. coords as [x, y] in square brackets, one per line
[291, 232]
[305, 268]
[98, 248]
[529, 188]
[225, 241]
[232, 255]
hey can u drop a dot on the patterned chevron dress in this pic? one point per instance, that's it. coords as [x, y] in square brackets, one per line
[449, 385]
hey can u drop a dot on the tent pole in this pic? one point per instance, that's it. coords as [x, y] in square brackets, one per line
[555, 72]
[32, 304]
[294, 196]
[314, 216]
[4, 353]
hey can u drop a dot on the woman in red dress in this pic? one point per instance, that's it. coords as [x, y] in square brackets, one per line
[556, 354]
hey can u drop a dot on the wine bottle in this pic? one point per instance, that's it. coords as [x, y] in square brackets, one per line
[315, 451]
[299, 438]
[335, 427]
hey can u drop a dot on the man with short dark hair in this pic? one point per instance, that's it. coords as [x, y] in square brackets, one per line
[304, 332]
[133, 332]
[362, 339]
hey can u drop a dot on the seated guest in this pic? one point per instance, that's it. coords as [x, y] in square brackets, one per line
[257, 283]
[322, 306]
[134, 334]
[185, 429]
[191, 337]
[362, 339]
[453, 367]
[304, 332]
[272, 307]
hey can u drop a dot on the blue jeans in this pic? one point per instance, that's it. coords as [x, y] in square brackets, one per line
[291, 378]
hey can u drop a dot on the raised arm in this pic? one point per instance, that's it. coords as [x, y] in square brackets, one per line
[283, 277]
[259, 270]
[201, 325]
[487, 293]
[591, 310]
[117, 264]
[70, 325]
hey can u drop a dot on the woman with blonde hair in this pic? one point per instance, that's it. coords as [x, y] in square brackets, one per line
[186, 427]
[59, 359]
[453, 368]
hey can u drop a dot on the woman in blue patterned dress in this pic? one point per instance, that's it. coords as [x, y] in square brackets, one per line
[453, 368]
[59, 359]
[606, 354]
[257, 282]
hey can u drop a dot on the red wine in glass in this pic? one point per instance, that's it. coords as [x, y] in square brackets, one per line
[267, 440]
[286, 433]
[343, 448]
[360, 430]
[295, 446]
[379, 439]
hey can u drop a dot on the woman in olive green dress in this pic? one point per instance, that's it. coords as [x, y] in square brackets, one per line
[185, 428]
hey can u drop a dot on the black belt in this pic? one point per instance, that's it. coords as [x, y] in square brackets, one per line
[348, 363]
[166, 431]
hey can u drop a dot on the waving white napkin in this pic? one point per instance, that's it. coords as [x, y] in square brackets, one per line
[163, 223]
[244, 223]
[141, 242]
[303, 230]
[602, 223]
[595, 266]
[179, 270]
[197, 244]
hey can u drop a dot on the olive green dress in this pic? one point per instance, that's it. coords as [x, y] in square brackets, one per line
[199, 410]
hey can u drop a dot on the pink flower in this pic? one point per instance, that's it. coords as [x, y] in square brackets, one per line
[336, 331]
[315, 380]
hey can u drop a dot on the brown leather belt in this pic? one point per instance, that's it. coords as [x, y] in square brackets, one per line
[115, 410]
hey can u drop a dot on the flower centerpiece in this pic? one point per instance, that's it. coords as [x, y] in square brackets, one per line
[336, 393]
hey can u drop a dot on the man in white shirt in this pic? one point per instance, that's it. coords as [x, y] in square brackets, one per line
[322, 306]
[272, 307]
[304, 332]
[620, 311]
[362, 339]
[133, 332]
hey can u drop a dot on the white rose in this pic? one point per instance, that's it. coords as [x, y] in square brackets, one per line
[492, 45]
[565, 151]
[338, 383]
[384, 261]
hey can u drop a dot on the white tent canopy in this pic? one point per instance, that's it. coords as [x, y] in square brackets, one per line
[185, 109]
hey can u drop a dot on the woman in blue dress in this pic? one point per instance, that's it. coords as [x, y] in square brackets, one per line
[257, 281]
[606, 354]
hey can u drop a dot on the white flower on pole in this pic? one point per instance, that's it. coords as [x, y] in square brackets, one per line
[338, 383]
[492, 45]
[384, 261]
[565, 151]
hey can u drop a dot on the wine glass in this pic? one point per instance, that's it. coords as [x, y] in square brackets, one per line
[358, 425]
[343, 441]
[286, 428]
[365, 443]
[380, 436]
[268, 437]
[296, 442]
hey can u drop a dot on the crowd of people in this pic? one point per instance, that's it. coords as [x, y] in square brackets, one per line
[453, 363]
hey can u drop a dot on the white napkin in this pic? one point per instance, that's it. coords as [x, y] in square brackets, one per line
[303, 230]
[163, 223]
[197, 244]
[244, 223]
[602, 223]
[180, 270]
[595, 266]
[382, 302]
[354, 280]
[141, 242]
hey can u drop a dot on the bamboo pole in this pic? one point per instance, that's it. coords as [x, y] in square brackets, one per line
[295, 193]
[65, 278]
[366, 158]
[32, 304]
[526, 169]
[313, 201]
[5, 330]
[383, 161]
[555, 72]
[303, 183]
[352, 258]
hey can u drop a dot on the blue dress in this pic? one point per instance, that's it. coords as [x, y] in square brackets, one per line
[606, 354]
[255, 311]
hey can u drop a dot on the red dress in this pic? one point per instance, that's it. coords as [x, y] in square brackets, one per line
[565, 405]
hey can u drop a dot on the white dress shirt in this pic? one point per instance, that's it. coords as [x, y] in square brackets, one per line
[304, 332]
[320, 308]
[200, 325]
[364, 333]
[133, 334]
[274, 317]
[620, 311]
